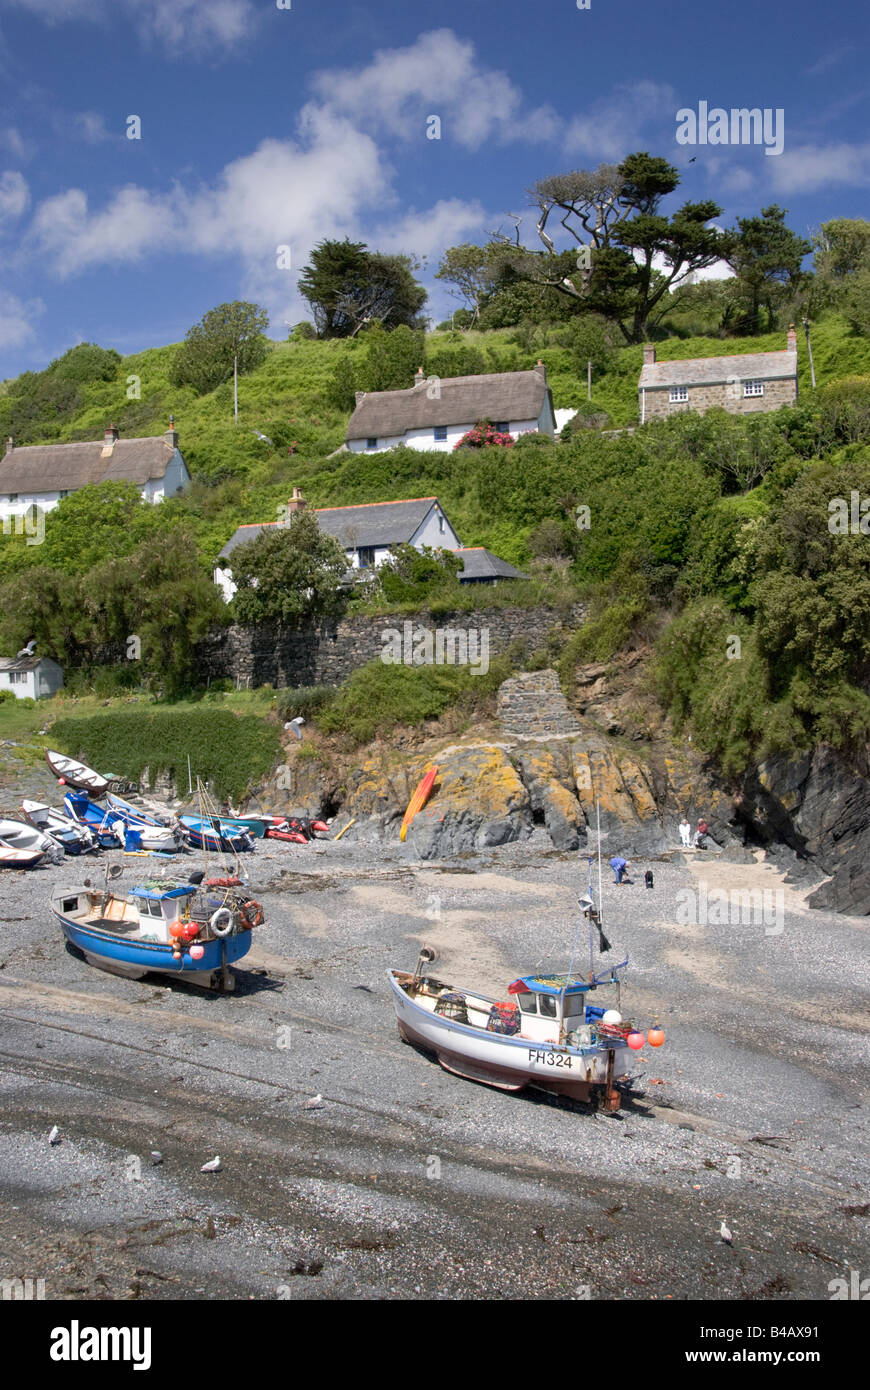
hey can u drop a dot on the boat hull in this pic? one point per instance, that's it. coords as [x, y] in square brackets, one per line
[134, 958]
[509, 1063]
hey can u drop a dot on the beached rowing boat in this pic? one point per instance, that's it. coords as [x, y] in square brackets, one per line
[76, 774]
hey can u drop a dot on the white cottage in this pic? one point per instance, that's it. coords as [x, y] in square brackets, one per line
[41, 475]
[30, 677]
[366, 532]
[437, 411]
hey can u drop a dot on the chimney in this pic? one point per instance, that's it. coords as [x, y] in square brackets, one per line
[110, 437]
[10, 444]
[539, 367]
[171, 435]
[791, 340]
[419, 377]
[359, 395]
[297, 502]
[649, 355]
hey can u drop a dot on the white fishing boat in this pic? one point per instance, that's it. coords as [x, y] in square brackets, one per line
[11, 858]
[15, 834]
[76, 774]
[71, 834]
[550, 1033]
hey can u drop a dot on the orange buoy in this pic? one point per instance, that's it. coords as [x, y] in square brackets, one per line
[655, 1037]
[176, 930]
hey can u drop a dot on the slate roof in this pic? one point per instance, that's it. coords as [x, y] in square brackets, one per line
[67, 467]
[21, 663]
[480, 563]
[371, 523]
[711, 371]
[463, 401]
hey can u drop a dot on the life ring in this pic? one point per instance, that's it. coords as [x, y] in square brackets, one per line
[252, 913]
[223, 915]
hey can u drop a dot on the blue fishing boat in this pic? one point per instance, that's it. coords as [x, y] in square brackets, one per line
[80, 808]
[195, 929]
[218, 834]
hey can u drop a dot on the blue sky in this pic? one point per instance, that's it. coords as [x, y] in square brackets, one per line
[264, 127]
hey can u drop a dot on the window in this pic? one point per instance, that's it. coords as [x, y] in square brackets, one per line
[501, 426]
[575, 1005]
[528, 1003]
[371, 443]
[547, 1005]
[753, 388]
[17, 677]
[366, 554]
[441, 434]
[679, 393]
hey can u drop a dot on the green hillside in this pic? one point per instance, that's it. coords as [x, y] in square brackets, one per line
[700, 528]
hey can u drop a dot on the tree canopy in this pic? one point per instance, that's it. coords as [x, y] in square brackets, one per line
[349, 286]
[290, 575]
[230, 331]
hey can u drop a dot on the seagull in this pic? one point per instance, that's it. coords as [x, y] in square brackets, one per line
[315, 1103]
[156, 1157]
[29, 649]
[54, 1136]
[213, 1167]
[725, 1234]
[264, 437]
[295, 725]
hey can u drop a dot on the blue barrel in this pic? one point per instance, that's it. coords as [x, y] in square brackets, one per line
[133, 839]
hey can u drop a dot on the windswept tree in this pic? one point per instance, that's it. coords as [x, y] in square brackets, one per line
[228, 333]
[350, 287]
[470, 270]
[290, 575]
[767, 257]
[629, 258]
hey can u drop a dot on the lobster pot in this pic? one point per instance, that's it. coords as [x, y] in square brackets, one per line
[503, 1018]
[452, 1006]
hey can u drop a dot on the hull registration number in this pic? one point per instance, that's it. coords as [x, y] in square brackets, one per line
[550, 1059]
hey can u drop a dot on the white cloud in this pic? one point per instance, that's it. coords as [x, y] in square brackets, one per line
[14, 196]
[806, 168]
[16, 319]
[613, 128]
[183, 26]
[439, 74]
[16, 143]
[70, 239]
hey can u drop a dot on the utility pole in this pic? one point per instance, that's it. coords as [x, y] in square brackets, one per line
[236, 389]
[810, 351]
[589, 381]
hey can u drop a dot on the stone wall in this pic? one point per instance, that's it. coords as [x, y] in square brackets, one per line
[329, 654]
[532, 706]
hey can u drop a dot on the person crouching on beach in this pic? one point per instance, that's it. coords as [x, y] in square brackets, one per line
[619, 866]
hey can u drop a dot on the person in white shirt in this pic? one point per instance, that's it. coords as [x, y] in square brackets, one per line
[685, 833]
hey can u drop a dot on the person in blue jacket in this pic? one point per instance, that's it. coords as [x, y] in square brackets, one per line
[619, 866]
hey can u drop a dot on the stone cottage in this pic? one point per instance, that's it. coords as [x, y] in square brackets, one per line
[742, 384]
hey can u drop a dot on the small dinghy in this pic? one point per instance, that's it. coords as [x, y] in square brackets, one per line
[285, 833]
[17, 835]
[11, 858]
[76, 774]
[79, 806]
[75, 837]
[193, 930]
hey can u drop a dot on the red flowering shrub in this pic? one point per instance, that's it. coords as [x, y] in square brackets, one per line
[482, 435]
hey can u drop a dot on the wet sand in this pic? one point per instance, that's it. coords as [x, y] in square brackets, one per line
[410, 1182]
